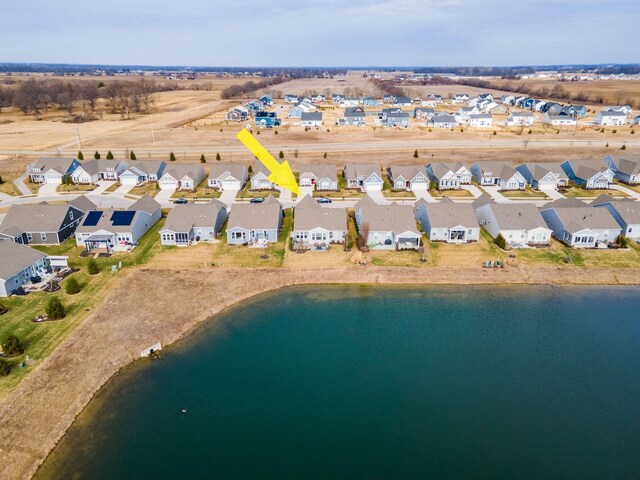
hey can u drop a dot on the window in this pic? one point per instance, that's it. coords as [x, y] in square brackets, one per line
[70, 214]
[43, 237]
[29, 237]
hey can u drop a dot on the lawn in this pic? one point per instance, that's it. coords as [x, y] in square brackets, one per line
[399, 258]
[467, 255]
[149, 188]
[201, 192]
[9, 188]
[526, 193]
[461, 193]
[113, 188]
[42, 338]
[247, 193]
[582, 192]
[388, 191]
[63, 188]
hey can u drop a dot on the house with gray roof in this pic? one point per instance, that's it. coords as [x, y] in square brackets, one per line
[315, 227]
[412, 178]
[181, 177]
[311, 119]
[260, 177]
[544, 176]
[611, 119]
[353, 116]
[625, 168]
[393, 117]
[365, 176]
[320, 176]
[390, 227]
[255, 224]
[442, 120]
[481, 120]
[588, 174]
[83, 203]
[625, 211]
[520, 224]
[423, 113]
[580, 225]
[228, 176]
[449, 176]
[447, 221]
[40, 223]
[142, 171]
[95, 170]
[51, 169]
[117, 230]
[191, 223]
[520, 118]
[19, 263]
[500, 174]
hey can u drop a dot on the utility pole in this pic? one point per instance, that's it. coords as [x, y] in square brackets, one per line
[78, 138]
[153, 136]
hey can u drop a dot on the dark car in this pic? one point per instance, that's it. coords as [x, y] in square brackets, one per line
[180, 201]
[323, 200]
[257, 200]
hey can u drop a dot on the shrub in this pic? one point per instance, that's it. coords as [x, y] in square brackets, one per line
[92, 267]
[495, 133]
[325, 155]
[415, 154]
[623, 147]
[607, 145]
[109, 155]
[5, 367]
[172, 157]
[54, 308]
[203, 159]
[132, 156]
[72, 286]
[614, 131]
[529, 132]
[633, 132]
[12, 346]
[501, 242]
[281, 154]
[275, 132]
[258, 132]
[80, 156]
[622, 241]
[96, 155]
[3, 309]
[218, 157]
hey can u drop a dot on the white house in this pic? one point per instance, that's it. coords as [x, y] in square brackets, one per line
[96, 170]
[390, 227]
[316, 227]
[311, 119]
[320, 176]
[408, 177]
[588, 174]
[51, 169]
[260, 177]
[142, 171]
[480, 120]
[520, 119]
[364, 176]
[626, 212]
[181, 177]
[447, 221]
[611, 119]
[500, 174]
[255, 224]
[559, 120]
[227, 176]
[544, 176]
[193, 222]
[442, 120]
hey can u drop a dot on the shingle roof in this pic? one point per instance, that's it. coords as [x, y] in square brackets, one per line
[180, 171]
[320, 170]
[388, 218]
[311, 116]
[497, 169]
[16, 257]
[59, 164]
[309, 214]
[518, 216]
[255, 216]
[147, 166]
[629, 164]
[407, 172]
[353, 170]
[578, 218]
[36, 217]
[539, 170]
[83, 203]
[183, 218]
[440, 169]
[145, 204]
[448, 214]
[236, 170]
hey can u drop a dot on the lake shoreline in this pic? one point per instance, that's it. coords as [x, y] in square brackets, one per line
[40, 410]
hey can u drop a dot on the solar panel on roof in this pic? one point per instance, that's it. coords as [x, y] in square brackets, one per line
[93, 218]
[122, 218]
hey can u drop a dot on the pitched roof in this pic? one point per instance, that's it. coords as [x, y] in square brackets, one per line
[578, 218]
[443, 118]
[497, 169]
[389, 218]
[83, 203]
[629, 164]
[353, 170]
[311, 116]
[59, 164]
[180, 171]
[16, 257]
[236, 170]
[354, 112]
[539, 170]
[147, 166]
[93, 167]
[517, 216]
[183, 218]
[309, 214]
[36, 217]
[145, 204]
[446, 213]
[408, 172]
[320, 170]
[255, 216]
[628, 209]
[439, 170]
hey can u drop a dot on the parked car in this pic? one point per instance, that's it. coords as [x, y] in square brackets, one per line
[323, 200]
[257, 200]
[178, 201]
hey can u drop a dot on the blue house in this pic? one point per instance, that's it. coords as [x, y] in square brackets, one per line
[266, 100]
[267, 119]
[370, 101]
[528, 103]
[574, 110]
[254, 106]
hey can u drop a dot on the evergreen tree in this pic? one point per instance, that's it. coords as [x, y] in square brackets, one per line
[54, 308]
[109, 155]
[500, 242]
[72, 286]
[172, 157]
[132, 156]
[12, 346]
[203, 159]
[80, 156]
[218, 157]
[624, 147]
[281, 155]
[415, 154]
[96, 155]
[325, 155]
[5, 367]
[92, 267]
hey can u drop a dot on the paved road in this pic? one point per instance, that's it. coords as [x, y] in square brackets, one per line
[47, 189]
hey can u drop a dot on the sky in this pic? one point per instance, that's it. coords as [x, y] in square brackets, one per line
[320, 32]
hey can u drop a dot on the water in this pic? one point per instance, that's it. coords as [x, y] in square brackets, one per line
[372, 382]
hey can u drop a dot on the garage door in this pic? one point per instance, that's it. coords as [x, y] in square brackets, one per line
[546, 185]
[374, 187]
[419, 187]
[230, 185]
[53, 180]
[128, 180]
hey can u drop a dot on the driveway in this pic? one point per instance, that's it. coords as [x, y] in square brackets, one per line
[627, 190]
[475, 191]
[124, 189]
[163, 196]
[228, 196]
[552, 193]
[376, 196]
[304, 191]
[493, 192]
[47, 189]
[425, 195]
[102, 186]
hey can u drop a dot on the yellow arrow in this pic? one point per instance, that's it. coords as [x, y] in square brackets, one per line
[281, 173]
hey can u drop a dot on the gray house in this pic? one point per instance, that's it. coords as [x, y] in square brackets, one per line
[544, 176]
[255, 224]
[83, 204]
[589, 174]
[96, 170]
[500, 174]
[311, 119]
[193, 222]
[40, 223]
[51, 169]
[315, 227]
[226, 176]
[365, 176]
[447, 221]
[580, 225]
[442, 120]
[408, 177]
[143, 171]
[390, 227]
[626, 212]
[353, 116]
[320, 176]
[19, 263]
[260, 177]
[626, 169]
[394, 117]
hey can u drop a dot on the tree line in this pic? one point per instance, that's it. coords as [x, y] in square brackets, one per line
[35, 96]
[244, 89]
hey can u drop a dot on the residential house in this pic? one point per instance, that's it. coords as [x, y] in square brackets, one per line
[574, 110]
[354, 116]
[495, 109]
[181, 177]
[320, 176]
[300, 108]
[611, 119]
[626, 109]
[228, 176]
[460, 98]
[520, 119]
[253, 107]
[412, 178]
[520, 224]
[389, 226]
[290, 98]
[337, 99]
[95, 170]
[463, 114]
[315, 227]
[580, 225]
[636, 120]
[436, 98]
[552, 108]
[319, 98]
[559, 120]
[443, 176]
[142, 171]
[260, 177]
[393, 117]
[401, 101]
[544, 176]
[364, 176]
[626, 212]
[351, 101]
[51, 169]
[588, 174]
[508, 99]
[371, 102]
[447, 221]
[40, 223]
[267, 119]
[117, 230]
[255, 224]
[83, 204]
[237, 114]
[311, 119]
[193, 222]
[480, 120]
[626, 169]
[500, 174]
[423, 113]
[442, 120]
[19, 264]
[266, 100]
